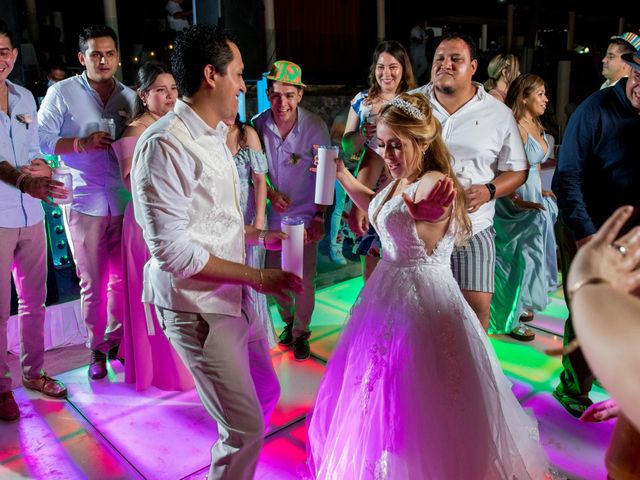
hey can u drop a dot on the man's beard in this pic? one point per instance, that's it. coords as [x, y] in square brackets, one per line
[445, 90]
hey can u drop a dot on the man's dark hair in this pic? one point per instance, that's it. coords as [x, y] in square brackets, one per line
[625, 47]
[471, 44]
[95, 31]
[4, 30]
[195, 48]
[271, 82]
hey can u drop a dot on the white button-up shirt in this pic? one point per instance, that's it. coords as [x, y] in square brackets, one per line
[71, 108]
[483, 138]
[186, 189]
[18, 146]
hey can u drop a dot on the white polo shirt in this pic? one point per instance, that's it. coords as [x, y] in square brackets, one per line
[483, 138]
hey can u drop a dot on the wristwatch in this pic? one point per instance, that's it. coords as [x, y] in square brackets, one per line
[492, 190]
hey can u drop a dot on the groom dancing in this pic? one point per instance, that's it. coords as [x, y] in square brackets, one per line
[185, 192]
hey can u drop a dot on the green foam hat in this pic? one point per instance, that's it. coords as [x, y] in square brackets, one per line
[286, 72]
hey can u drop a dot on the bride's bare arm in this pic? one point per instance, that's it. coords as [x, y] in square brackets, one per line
[359, 193]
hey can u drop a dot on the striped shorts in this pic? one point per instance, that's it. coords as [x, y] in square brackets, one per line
[474, 264]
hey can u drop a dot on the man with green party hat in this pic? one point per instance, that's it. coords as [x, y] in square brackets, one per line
[289, 133]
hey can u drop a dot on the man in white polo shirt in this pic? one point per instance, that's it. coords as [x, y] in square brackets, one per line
[483, 138]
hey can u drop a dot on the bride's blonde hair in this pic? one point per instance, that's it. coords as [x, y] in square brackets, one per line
[410, 116]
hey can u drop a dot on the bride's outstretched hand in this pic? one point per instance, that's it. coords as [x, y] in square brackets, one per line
[434, 207]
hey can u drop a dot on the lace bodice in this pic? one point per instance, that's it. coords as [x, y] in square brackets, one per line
[397, 230]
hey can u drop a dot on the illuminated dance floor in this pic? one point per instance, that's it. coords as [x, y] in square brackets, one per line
[107, 430]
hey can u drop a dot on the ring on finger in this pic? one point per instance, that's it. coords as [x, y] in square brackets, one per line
[620, 248]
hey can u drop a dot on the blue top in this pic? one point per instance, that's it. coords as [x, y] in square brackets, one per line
[18, 146]
[249, 161]
[598, 169]
[71, 108]
[359, 106]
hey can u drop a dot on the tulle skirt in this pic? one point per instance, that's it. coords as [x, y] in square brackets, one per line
[414, 390]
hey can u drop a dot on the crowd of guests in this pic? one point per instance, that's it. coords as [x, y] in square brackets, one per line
[176, 246]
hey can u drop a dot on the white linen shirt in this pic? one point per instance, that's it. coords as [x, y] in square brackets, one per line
[483, 138]
[288, 176]
[186, 191]
[18, 146]
[71, 108]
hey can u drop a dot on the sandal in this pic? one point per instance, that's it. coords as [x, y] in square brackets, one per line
[575, 406]
[522, 333]
[526, 317]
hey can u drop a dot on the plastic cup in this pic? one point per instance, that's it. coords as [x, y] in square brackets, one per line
[293, 247]
[108, 125]
[326, 174]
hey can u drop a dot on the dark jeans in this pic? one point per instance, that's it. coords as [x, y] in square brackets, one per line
[576, 379]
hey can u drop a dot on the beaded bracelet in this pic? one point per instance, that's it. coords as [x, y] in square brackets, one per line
[76, 145]
[19, 181]
[262, 239]
[261, 285]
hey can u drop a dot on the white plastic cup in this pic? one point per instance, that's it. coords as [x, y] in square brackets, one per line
[108, 125]
[63, 174]
[326, 174]
[293, 247]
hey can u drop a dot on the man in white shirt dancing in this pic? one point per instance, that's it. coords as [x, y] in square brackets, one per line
[186, 199]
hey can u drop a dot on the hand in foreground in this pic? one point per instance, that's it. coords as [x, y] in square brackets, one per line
[549, 193]
[525, 204]
[358, 221]
[43, 187]
[37, 168]
[613, 260]
[273, 239]
[279, 283]
[339, 165]
[433, 208]
[477, 195]
[315, 232]
[279, 201]
[95, 141]
[601, 411]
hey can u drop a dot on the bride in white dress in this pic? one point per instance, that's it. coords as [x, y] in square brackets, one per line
[414, 389]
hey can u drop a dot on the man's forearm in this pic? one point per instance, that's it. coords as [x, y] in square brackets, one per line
[8, 173]
[68, 145]
[224, 271]
[507, 182]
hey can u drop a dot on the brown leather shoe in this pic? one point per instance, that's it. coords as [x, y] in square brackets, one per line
[47, 385]
[9, 410]
[98, 365]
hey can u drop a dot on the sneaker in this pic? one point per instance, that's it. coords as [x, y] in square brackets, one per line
[9, 410]
[574, 405]
[98, 365]
[335, 254]
[46, 385]
[286, 337]
[301, 350]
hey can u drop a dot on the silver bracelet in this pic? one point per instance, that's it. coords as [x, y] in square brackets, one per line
[262, 239]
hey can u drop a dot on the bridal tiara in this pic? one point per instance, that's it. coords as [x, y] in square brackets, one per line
[407, 108]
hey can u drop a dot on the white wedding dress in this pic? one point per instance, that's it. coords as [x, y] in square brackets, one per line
[414, 389]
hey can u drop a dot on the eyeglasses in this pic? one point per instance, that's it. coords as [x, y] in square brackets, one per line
[5, 53]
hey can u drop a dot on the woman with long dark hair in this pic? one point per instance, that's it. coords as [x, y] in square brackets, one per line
[526, 262]
[149, 357]
[390, 74]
